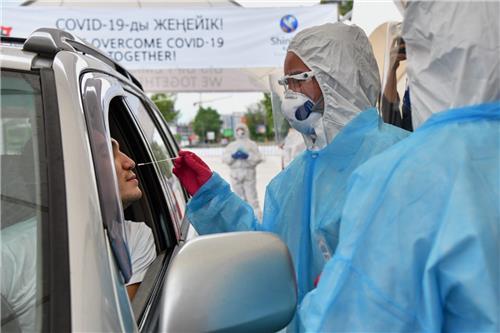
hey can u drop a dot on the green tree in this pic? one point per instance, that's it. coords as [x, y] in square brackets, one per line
[268, 109]
[166, 104]
[261, 114]
[207, 120]
[256, 117]
[344, 7]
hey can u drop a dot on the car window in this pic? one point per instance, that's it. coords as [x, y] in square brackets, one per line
[163, 153]
[23, 202]
[156, 206]
[95, 96]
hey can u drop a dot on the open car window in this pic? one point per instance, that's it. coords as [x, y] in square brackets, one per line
[164, 150]
[156, 208]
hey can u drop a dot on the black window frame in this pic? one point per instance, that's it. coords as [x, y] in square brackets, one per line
[57, 233]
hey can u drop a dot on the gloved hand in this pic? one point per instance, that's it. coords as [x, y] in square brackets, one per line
[243, 155]
[240, 155]
[191, 171]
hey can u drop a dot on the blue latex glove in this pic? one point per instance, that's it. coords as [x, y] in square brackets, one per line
[240, 155]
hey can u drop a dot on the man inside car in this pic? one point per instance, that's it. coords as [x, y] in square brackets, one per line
[139, 237]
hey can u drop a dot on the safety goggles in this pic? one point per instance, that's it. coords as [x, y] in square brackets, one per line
[292, 80]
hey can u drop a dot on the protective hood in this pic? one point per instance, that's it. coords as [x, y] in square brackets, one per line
[453, 56]
[342, 59]
[241, 132]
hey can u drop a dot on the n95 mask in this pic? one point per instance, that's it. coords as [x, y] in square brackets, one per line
[301, 112]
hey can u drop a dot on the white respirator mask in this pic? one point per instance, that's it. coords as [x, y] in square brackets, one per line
[301, 112]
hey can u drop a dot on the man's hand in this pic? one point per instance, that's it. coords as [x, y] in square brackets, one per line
[397, 53]
[191, 171]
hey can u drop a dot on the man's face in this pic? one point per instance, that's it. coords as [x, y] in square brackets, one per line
[128, 183]
[294, 65]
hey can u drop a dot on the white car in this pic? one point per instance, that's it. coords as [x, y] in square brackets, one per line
[64, 255]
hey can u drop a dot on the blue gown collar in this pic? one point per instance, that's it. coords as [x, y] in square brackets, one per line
[485, 111]
[368, 118]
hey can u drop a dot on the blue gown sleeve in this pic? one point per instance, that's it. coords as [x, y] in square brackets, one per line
[215, 208]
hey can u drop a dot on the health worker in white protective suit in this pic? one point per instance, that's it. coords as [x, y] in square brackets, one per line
[419, 243]
[242, 156]
[332, 85]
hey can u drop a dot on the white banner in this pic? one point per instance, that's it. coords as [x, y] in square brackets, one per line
[207, 79]
[172, 38]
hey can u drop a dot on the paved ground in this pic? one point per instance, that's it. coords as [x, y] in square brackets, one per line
[265, 170]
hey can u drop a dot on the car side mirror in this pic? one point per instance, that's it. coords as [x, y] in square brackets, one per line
[242, 281]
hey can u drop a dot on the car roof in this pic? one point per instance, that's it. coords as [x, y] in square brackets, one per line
[14, 57]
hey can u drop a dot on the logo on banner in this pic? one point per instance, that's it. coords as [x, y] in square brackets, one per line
[289, 23]
[5, 31]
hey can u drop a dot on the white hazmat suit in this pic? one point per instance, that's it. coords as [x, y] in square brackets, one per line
[242, 156]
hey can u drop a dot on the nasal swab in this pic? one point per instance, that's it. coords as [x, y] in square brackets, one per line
[146, 163]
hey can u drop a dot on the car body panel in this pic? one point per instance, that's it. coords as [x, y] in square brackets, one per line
[15, 58]
[254, 270]
[92, 290]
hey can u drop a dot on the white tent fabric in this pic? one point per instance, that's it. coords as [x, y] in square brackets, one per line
[168, 3]
[128, 3]
[368, 15]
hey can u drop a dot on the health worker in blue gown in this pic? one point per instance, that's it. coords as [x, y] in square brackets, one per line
[331, 86]
[419, 239]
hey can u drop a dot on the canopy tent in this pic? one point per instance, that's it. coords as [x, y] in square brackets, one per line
[164, 3]
[369, 14]
[381, 21]
[188, 46]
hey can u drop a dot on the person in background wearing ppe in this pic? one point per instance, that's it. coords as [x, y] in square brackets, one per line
[419, 243]
[242, 156]
[332, 85]
[292, 146]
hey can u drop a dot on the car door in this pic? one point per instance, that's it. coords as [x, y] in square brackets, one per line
[128, 120]
[139, 130]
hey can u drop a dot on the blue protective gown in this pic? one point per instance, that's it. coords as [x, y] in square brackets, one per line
[302, 199]
[419, 241]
